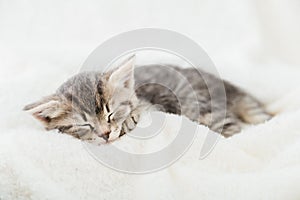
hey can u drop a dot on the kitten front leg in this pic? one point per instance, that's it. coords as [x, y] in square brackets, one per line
[130, 123]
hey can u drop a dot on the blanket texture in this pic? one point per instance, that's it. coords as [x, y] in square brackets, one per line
[262, 162]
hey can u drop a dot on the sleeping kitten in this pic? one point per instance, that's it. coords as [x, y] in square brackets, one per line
[101, 107]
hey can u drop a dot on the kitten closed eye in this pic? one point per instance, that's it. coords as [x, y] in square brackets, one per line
[109, 117]
[88, 125]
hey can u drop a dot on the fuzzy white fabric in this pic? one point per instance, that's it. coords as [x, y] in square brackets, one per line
[262, 162]
[42, 44]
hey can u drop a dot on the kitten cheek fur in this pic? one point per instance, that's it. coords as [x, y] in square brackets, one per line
[49, 110]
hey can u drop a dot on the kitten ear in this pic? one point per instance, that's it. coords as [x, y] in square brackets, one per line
[123, 76]
[46, 109]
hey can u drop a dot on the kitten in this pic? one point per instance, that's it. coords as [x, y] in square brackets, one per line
[101, 107]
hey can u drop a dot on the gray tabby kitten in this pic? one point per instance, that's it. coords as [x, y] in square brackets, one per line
[101, 107]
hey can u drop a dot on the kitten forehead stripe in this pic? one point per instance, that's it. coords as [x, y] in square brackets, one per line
[75, 100]
[100, 100]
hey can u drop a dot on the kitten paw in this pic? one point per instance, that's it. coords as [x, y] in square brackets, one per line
[130, 123]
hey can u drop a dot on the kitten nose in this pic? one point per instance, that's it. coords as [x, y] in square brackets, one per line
[105, 135]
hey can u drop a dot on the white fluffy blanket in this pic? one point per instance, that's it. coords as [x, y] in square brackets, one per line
[262, 162]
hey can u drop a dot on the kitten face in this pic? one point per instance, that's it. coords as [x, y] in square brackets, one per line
[90, 106]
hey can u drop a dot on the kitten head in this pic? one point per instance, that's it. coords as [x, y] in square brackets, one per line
[91, 106]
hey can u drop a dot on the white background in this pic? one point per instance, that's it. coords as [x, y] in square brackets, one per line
[254, 44]
[263, 28]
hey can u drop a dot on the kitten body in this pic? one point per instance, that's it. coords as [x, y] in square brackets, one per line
[101, 107]
[198, 96]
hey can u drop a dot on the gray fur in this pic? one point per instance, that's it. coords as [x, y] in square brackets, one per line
[240, 106]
